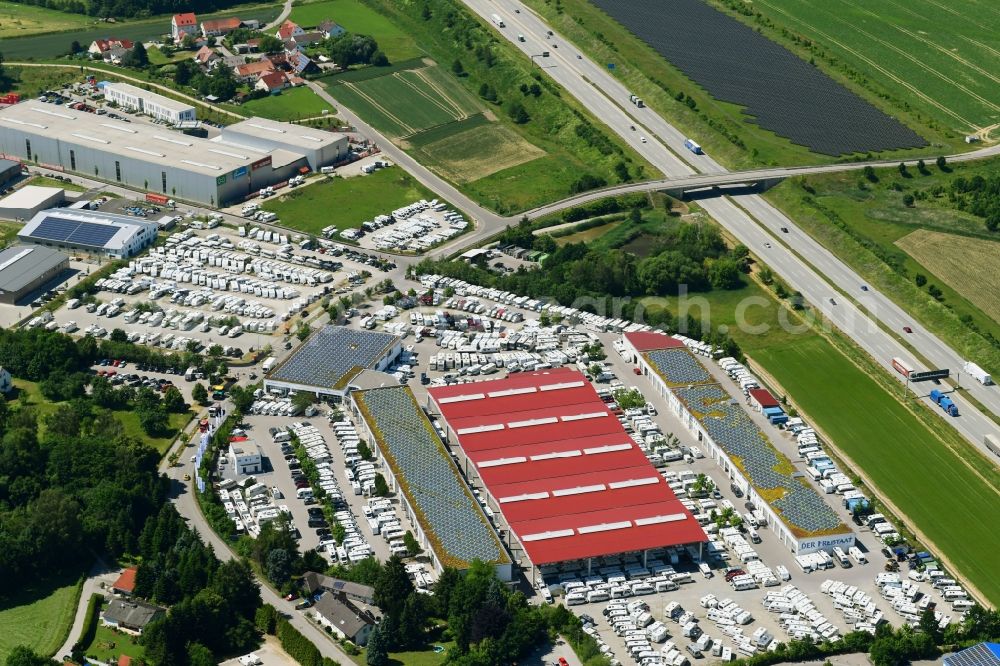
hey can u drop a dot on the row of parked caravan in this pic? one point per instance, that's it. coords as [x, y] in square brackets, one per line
[730, 618]
[589, 320]
[633, 621]
[857, 607]
[477, 307]
[910, 601]
[219, 251]
[251, 507]
[362, 472]
[798, 616]
[353, 548]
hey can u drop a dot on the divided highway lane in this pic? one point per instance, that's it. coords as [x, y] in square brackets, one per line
[607, 99]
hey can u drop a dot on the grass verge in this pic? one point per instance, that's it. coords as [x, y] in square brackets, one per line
[291, 104]
[40, 614]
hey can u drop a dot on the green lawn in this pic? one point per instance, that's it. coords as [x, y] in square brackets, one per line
[109, 644]
[129, 419]
[158, 57]
[18, 20]
[291, 104]
[8, 233]
[861, 227]
[346, 202]
[42, 181]
[40, 615]
[912, 466]
[357, 18]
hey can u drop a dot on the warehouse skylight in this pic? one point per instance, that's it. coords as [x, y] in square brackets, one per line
[562, 385]
[632, 483]
[228, 154]
[607, 448]
[119, 128]
[604, 527]
[168, 139]
[533, 422]
[584, 416]
[499, 462]
[144, 151]
[511, 391]
[462, 398]
[87, 137]
[551, 534]
[472, 430]
[579, 490]
[523, 498]
[572, 453]
[267, 128]
[656, 520]
[202, 164]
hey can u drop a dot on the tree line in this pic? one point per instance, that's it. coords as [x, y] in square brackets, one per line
[130, 8]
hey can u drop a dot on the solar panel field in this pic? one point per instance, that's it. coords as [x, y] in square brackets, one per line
[779, 91]
[943, 57]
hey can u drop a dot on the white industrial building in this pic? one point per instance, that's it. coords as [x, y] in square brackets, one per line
[245, 457]
[319, 147]
[160, 107]
[25, 202]
[115, 236]
[143, 156]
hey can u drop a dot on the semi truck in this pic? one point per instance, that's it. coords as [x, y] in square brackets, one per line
[497, 20]
[693, 147]
[993, 443]
[977, 373]
[901, 366]
[944, 402]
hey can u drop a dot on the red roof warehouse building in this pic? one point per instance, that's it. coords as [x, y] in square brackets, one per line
[560, 468]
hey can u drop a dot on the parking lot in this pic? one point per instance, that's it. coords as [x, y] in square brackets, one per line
[465, 320]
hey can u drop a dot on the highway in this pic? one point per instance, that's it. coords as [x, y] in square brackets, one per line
[750, 219]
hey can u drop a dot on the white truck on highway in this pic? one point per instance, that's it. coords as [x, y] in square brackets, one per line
[977, 373]
[497, 20]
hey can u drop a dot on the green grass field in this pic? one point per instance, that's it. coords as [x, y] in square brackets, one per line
[17, 20]
[926, 52]
[357, 18]
[39, 616]
[346, 202]
[952, 504]
[291, 104]
[55, 44]
[109, 644]
[129, 419]
[862, 226]
[42, 181]
[477, 152]
[8, 233]
[404, 102]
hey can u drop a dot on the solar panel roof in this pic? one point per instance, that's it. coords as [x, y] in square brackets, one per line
[333, 355]
[678, 367]
[730, 427]
[427, 476]
[984, 654]
[76, 232]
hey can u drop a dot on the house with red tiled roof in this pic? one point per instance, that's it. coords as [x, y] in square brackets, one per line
[206, 56]
[220, 27]
[272, 82]
[252, 71]
[289, 30]
[124, 660]
[183, 24]
[110, 48]
[125, 584]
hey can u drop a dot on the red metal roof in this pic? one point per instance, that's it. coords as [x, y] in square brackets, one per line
[126, 581]
[764, 398]
[572, 488]
[645, 341]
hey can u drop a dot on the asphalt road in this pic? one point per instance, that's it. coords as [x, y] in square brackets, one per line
[749, 218]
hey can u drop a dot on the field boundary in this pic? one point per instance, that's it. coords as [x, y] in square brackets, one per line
[902, 519]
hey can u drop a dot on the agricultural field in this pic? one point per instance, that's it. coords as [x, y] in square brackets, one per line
[357, 18]
[347, 201]
[475, 152]
[947, 490]
[925, 52]
[749, 70]
[967, 265]
[291, 104]
[39, 616]
[18, 20]
[53, 45]
[861, 222]
[403, 103]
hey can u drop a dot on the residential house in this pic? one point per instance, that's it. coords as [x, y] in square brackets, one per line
[313, 582]
[272, 82]
[131, 615]
[308, 38]
[252, 71]
[300, 63]
[183, 24]
[125, 585]
[220, 27]
[344, 618]
[289, 30]
[330, 29]
[233, 61]
[6, 381]
[206, 57]
[112, 50]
